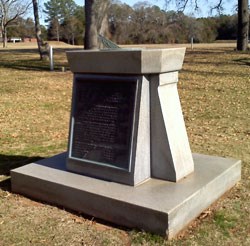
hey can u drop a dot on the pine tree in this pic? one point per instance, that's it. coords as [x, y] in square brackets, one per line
[58, 11]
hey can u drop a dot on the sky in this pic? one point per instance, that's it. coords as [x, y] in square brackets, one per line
[204, 10]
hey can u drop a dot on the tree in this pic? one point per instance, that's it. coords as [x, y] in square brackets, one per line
[54, 30]
[38, 28]
[243, 18]
[52, 9]
[119, 16]
[95, 14]
[70, 29]
[209, 29]
[227, 27]
[243, 25]
[79, 15]
[57, 12]
[145, 23]
[10, 10]
[22, 28]
[90, 38]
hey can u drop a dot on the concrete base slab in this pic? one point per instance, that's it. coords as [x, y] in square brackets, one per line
[157, 206]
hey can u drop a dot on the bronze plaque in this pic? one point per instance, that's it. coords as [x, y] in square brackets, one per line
[103, 120]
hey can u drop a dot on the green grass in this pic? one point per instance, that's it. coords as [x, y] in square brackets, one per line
[34, 120]
[225, 222]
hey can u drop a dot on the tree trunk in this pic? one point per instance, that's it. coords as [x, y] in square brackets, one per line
[90, 39]
[243, 25]
[57, 32]
[102, 25]
[4, 32]
[37, 28]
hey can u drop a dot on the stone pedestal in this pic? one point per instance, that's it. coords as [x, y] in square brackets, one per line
[159, 145]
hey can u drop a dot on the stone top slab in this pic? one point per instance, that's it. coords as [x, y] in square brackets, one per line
[126, 61]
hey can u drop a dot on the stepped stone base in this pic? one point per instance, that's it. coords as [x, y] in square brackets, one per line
[157, 206]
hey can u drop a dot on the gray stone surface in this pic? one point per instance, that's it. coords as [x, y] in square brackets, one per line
[171, 157]
[166, 153]
[157, 206]
[125, 61]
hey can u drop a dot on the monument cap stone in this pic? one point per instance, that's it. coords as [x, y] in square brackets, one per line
[126, 61]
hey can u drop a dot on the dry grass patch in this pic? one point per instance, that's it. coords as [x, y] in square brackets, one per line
[34, 116]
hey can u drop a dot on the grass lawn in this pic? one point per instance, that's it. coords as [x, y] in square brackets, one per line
[214, 89]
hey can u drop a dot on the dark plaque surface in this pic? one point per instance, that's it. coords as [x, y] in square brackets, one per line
[103, 121]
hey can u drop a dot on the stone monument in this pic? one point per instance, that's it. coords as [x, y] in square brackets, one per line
[127, 124]
[129, 159]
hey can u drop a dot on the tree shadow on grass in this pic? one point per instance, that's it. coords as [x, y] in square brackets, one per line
[33, 64]
[243, 61]
[14, 59]
[5, 185]
[8, 162]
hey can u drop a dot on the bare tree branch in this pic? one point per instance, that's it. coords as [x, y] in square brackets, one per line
[20, 12]
[9, 11]
[196, 5]
[218, 7]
